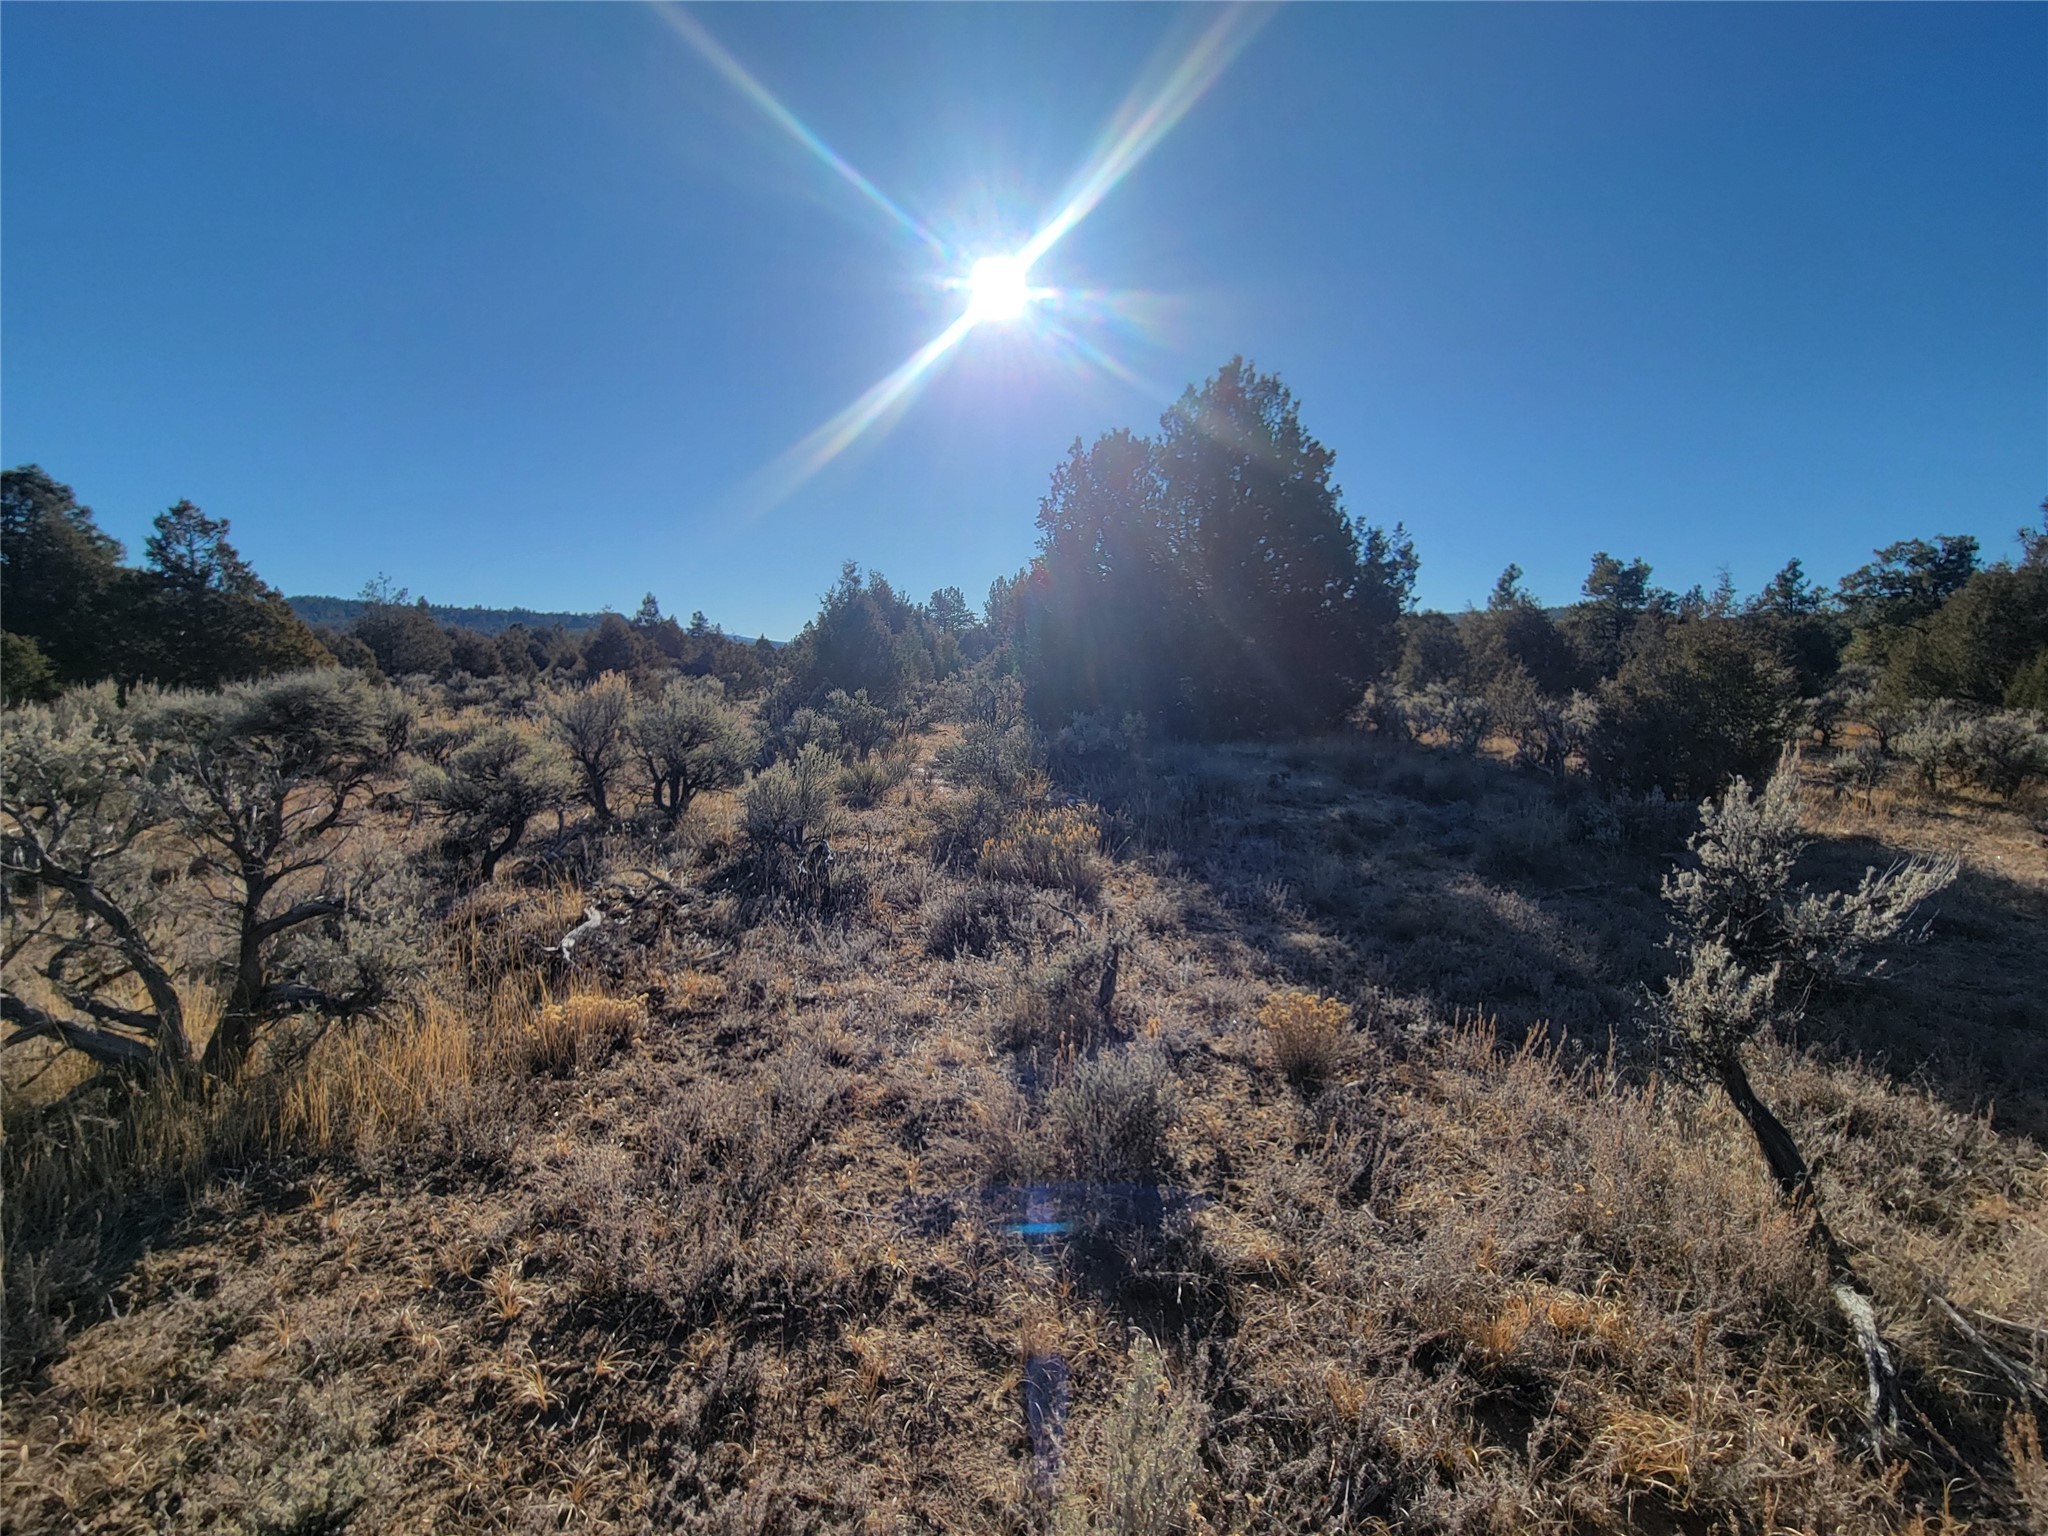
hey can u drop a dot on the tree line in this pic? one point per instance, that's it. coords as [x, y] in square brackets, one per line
[1206, 580]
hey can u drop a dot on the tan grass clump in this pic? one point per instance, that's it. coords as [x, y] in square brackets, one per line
[1055, 849]
[1309, 1035]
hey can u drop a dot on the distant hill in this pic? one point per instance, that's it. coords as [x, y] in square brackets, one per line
[340, 612]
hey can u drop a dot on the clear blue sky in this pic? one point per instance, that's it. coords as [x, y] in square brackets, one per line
[517, 303]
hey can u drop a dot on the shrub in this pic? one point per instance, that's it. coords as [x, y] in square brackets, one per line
[1740, 895]
[1140, 1461]
[790, 806]
[1935, 740]
[591, 724]
[1112, 1113]
[1692, 709]
[862, 725]
[864, 781]
[2005, 752]
[991, 757]
[1309, 1035]
[1458, 719]
[807, 728]
[687, 740]
[491, 789]
[972, 921]
[1054, 849]
[961, 824]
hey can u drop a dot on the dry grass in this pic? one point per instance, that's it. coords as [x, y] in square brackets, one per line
[781, 1218]
[1055, 848]
[1309, 1035]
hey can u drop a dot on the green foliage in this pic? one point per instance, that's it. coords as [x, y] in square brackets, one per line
[2005, 752]
[1907, 583]
[997, 759]
[1432, 651]
[404, 639]
[1698, 705]
[61, 581]
[1617, 598]
[1514, 634]
[1209, 578]
[1976, 645]
[26, 676]
[201, 616]
[864, 781]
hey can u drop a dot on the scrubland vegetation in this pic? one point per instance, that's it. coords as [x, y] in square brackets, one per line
[1200, 1047]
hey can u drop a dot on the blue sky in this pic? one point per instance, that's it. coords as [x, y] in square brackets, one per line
[518, 304]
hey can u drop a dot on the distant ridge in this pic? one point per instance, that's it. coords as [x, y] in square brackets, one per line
[340, 612]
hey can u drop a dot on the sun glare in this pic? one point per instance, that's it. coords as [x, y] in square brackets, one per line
[997, 288]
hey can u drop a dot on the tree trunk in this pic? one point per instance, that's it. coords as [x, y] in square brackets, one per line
[1795, 1182]
[492, 855]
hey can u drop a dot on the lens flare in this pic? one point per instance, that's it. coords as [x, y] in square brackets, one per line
[708, 48]
[1144, 120]
[998, 287]
[887, 398]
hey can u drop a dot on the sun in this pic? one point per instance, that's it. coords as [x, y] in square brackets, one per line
[997, 288]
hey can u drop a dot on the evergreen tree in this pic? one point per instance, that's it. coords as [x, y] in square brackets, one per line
[61, 580]
[202, 616]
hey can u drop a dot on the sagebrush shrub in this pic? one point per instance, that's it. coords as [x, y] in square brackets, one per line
[1140, 1461]
[1740, 895]
[863, 782]
[1309, 1035]
[1112, 1113]
[791, 805]
[971, 921]
[2004, 752]
[1054, 849]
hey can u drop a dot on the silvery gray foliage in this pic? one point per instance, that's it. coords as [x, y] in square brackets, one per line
[1440, 709]
[991, 757]
[687, 739]
[2005, 751]
[1740, 895]
[1715, 1004]
[1935, 740]
[793, 804]
[195, 835]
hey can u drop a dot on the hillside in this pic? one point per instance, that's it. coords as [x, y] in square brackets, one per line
[340, 612]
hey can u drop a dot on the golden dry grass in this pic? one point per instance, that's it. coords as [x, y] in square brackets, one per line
[719, 1231]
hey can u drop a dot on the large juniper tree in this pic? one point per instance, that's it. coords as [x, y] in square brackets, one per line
[1210, 576]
